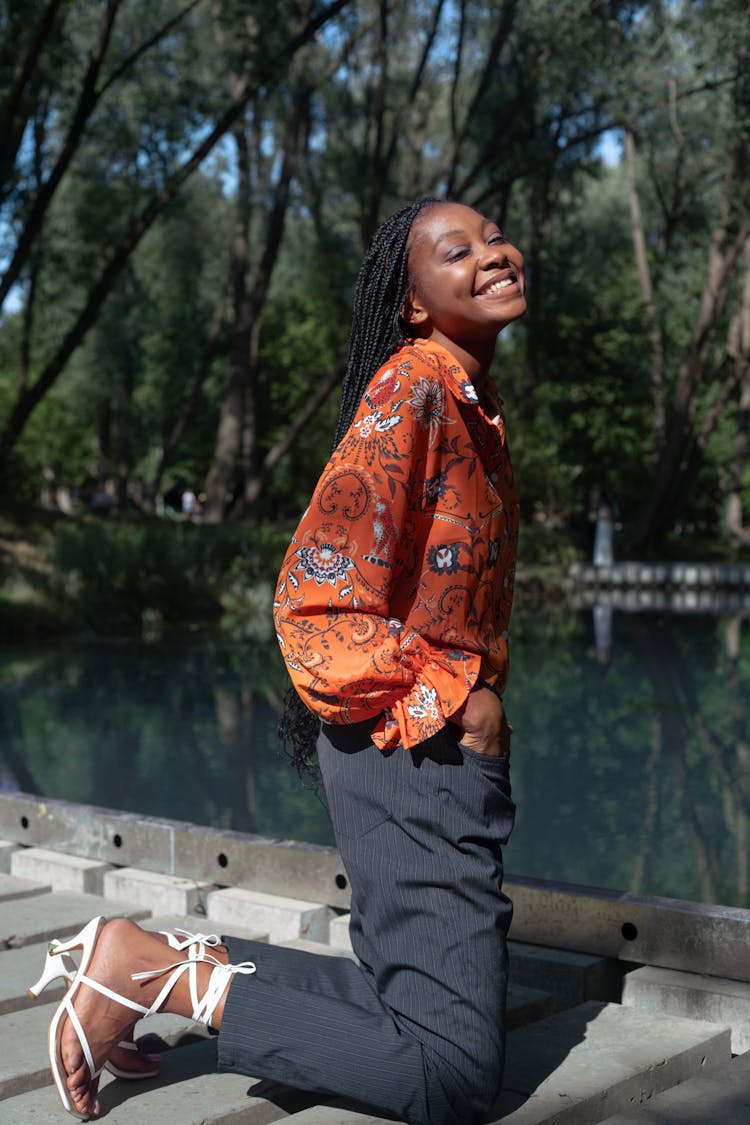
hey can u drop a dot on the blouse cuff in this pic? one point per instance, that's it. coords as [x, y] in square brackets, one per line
[444, 678]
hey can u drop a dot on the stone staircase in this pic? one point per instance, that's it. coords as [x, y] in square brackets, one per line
[590, 1039]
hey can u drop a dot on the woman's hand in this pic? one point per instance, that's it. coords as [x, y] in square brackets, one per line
[483, 723]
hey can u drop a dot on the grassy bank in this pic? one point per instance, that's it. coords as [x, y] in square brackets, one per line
[60, 574]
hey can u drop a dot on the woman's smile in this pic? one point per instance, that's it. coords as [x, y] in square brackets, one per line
[499, 285]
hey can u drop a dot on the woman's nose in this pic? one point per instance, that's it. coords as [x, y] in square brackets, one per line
[494, 257]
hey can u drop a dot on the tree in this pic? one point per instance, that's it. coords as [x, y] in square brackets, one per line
[63, 120]
[712, 106]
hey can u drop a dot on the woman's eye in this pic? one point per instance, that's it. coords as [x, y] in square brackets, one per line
[456, 255]
[497, 239]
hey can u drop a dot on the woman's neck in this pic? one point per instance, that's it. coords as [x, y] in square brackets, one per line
[474, 358]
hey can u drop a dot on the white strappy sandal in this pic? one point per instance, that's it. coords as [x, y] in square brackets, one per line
[203, 1007]
[60, 965]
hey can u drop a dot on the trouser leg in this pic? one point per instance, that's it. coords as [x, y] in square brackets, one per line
[314, 1022]
[418, 1029]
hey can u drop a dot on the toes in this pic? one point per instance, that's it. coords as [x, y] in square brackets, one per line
[83, 1092]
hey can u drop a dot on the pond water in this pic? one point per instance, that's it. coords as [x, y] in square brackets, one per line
[631, 754]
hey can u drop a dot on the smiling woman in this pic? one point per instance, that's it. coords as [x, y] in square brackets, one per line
[392, 611]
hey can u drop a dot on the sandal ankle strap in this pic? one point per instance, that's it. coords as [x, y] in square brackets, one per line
[205, 1006]
[217, 985]
[190, 940]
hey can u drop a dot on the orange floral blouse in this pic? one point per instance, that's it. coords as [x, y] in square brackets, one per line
[395, 594]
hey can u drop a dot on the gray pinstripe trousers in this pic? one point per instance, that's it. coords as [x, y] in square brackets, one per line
[417, 1028]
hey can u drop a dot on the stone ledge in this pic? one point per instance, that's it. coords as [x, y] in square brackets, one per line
[176, 847]
[580, 1066]
[281, 918]
[170, 894]
[12, 887]
[7, 847]
[714, 999]
[340, 931]
[62, 872]
[571, 977]
[720, 1097]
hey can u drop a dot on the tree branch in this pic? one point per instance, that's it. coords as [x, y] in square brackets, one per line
[87, 100]
[29, 399]
[284, 444]
[147, 44]
[14, 121]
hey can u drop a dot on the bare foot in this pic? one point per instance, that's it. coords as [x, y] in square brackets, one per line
[132, 1062]
[121, 949]
[105, 1022]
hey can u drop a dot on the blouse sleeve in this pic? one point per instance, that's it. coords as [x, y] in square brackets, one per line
[348, 657]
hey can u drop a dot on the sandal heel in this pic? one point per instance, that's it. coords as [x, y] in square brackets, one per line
[54, 969]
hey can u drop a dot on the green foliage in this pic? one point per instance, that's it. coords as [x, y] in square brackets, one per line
[517, 133]
[118, 575]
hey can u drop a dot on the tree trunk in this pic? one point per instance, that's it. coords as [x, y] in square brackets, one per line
[229, 433]
[739, 349]
[255, 485]
[29, 398]
[644, 276]
[239, 423]
[193, 397]
[20, 101]
[656, 517]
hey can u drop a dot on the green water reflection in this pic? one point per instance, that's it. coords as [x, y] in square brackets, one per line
[631, 764]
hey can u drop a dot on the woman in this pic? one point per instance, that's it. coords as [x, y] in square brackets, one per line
[392, 611]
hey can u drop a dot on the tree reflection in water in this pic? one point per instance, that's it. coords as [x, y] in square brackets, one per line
[631, 759]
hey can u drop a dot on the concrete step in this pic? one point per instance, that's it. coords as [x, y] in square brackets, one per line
[323, 948]
[155, 891]
[186, 1092]
[572, 978]
[30, 920]
[525, 1005]
[199, 924]
[21, 966]
[62, 872]
[334, 1112]
[18, 969]
[715, 999]
[582, 1065]
[279, 916]
[575, 1068]
[13, 887]
[7, 847]
[720, 1097]
[23, 1059]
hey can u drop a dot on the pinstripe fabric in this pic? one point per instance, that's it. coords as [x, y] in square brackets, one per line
[418, 1028]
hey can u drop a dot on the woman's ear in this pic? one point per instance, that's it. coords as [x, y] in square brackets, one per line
[412, 310]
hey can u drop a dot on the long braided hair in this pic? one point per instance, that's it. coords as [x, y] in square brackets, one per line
[377, 331]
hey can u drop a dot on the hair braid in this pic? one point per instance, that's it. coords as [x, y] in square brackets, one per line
[377, 328]
[377, 331]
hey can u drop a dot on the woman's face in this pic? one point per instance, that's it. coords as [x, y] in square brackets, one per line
[467, 279]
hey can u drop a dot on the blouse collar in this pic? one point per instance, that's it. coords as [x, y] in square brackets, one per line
[456, 378]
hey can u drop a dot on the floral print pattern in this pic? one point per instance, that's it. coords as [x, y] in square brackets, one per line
[395, 593]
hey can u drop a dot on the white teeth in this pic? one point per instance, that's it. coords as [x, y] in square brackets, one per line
[498, 285]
